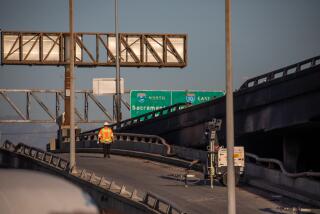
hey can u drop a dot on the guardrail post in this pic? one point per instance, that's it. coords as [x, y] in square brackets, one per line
[82, 171]
[156, 206]
[100, 181]
[111, 184]
[298, 68]
[50, 159]
[122, 190]
[154, 203]
[36, 155]
[58, 162]
[92, 176]
[133, 194]
[146, 198]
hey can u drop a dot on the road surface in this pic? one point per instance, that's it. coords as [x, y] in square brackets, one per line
[158, 178]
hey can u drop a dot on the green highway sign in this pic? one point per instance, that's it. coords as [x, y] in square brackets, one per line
[194, 97]
[144, 101]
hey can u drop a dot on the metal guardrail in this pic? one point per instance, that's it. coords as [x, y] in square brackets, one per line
[141, 118]
[144, 139]
[159, 205]
[104, 183]
[150, 115]
[282, 168]
[131, 137]
[37, 154]
[154, 202]
[281, 73]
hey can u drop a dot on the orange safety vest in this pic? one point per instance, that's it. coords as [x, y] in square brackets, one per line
[105, 135]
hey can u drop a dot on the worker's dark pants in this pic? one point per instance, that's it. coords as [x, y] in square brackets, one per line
[106, 150]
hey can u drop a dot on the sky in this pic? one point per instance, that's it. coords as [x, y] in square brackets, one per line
[266, 35]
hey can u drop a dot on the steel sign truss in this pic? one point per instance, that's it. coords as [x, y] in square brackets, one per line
[37, 99]
[95, 49]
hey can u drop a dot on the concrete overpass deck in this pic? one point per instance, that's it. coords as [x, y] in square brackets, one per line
[157, 178]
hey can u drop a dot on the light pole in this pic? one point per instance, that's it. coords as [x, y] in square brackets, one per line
[229, 112]
[118, 93]
[72, 95]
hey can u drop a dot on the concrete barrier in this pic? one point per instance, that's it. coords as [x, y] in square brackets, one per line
[120, 145]
[190, 154]
[302, 189]
[152, 148]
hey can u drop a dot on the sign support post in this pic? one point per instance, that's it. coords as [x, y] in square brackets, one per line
[118, 94]
[229, 113]
[72, 94]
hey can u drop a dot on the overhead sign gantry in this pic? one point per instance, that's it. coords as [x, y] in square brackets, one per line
[94, 49]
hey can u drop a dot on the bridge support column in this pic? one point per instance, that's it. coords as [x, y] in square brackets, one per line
[291, 152]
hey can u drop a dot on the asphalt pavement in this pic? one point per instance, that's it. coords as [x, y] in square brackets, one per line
[198, 198]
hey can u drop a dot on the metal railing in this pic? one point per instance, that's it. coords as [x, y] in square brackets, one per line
[51, 160]
[104, 183]
[141, 118]
[280, 165]
[144, 139]
[151, 200]
[161, 205]
[150, 115]
[131, 137]
[281, 73]
[37, 154]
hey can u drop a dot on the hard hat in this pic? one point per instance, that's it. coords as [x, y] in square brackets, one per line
[106, 123]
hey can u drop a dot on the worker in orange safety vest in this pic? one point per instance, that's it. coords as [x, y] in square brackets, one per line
[105, 137]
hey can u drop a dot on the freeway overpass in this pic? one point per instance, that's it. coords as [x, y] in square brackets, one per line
[136, 174]
[276, 116]
[159, 178]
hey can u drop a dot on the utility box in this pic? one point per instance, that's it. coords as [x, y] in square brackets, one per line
[238, 157]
